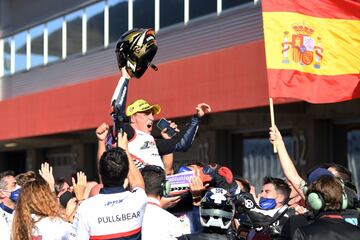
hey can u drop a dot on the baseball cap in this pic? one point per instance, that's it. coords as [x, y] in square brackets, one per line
[317, 173]
[141, 105]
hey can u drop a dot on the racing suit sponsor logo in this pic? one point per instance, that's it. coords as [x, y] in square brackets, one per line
[119, 217]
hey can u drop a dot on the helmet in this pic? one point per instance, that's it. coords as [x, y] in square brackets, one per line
[136, 49]
[216, 209]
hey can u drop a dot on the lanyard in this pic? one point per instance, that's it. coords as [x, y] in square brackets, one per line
[332, 216]
[152, 203]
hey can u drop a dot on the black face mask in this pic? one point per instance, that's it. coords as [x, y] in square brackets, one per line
[65, 198]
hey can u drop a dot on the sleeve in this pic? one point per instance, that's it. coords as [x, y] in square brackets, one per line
[79, 230]
[129, 131]
[182, 141]
[118, 105]
[196, 224]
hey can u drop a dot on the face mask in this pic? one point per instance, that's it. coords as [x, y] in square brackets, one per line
[14, 195]
[65, 198]
[184, 169]
[267, 203]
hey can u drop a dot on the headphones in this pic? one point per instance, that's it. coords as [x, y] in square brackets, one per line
[316, 200]
[165, 184]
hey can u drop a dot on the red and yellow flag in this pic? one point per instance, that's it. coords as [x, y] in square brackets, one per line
[312, 49]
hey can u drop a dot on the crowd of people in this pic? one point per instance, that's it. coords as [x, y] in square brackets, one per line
[133, 198]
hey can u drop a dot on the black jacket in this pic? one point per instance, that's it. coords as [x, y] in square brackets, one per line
[207, 234]
[329, 226]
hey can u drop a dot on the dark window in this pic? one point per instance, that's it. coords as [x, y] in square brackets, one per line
[171, 12]
[37, 46]
[198, 8]
[95, 25]
[55, 40]
[353, 155]
[257, 160]
[233, 3]
[118, 19]
[74, 33]
[144, 13]
[7, 56]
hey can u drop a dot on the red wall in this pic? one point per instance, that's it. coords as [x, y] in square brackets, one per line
[227, 79]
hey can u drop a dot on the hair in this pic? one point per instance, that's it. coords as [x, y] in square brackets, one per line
[329, 187]
[114, 167]
[154, 178]
[197, 163]
[244, 183]
[35, 198]
[59, 183]
[3, 181]
[281, 187]
[23, 178]
[342, 172]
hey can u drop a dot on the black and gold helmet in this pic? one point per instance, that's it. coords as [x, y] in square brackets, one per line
[135, 50]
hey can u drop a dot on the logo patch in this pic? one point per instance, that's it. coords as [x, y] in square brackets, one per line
[302, 46]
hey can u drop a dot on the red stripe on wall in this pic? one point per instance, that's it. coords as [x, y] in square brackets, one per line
[341, 9]
[116, 235]
[227, 79]
[313, 88]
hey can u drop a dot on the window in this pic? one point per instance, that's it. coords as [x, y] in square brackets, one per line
[20, 51]
[95, 25]
[37, 46]
[55, 40]
[259, 162]
[171, 12]
[7, 56]
[353, 155]
[198, 8]
[144, 13]
[118, 19]
[74, 33]
[233, 3]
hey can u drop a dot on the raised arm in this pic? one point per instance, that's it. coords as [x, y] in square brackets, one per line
[286, 163]
[134, 175]
[182, 141]
[101, 133]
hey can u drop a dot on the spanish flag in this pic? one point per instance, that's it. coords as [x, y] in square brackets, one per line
[312, 49]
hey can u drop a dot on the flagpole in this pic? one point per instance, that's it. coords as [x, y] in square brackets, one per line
[272, 118]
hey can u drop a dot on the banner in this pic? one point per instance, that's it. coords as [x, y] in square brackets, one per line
[312, 49]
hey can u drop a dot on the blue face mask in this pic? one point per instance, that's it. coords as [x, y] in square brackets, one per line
[14, 195]
[184, 169]
[267, 203]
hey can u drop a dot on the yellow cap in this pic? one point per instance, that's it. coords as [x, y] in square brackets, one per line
[141, 105]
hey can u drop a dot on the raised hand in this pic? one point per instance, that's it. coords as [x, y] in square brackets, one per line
[164, 131]
[124, 73]
[79, 186]
[202, 109]
[123, 141]
[102, 131]
[167, 202]
[46, 173]
[275, 135]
